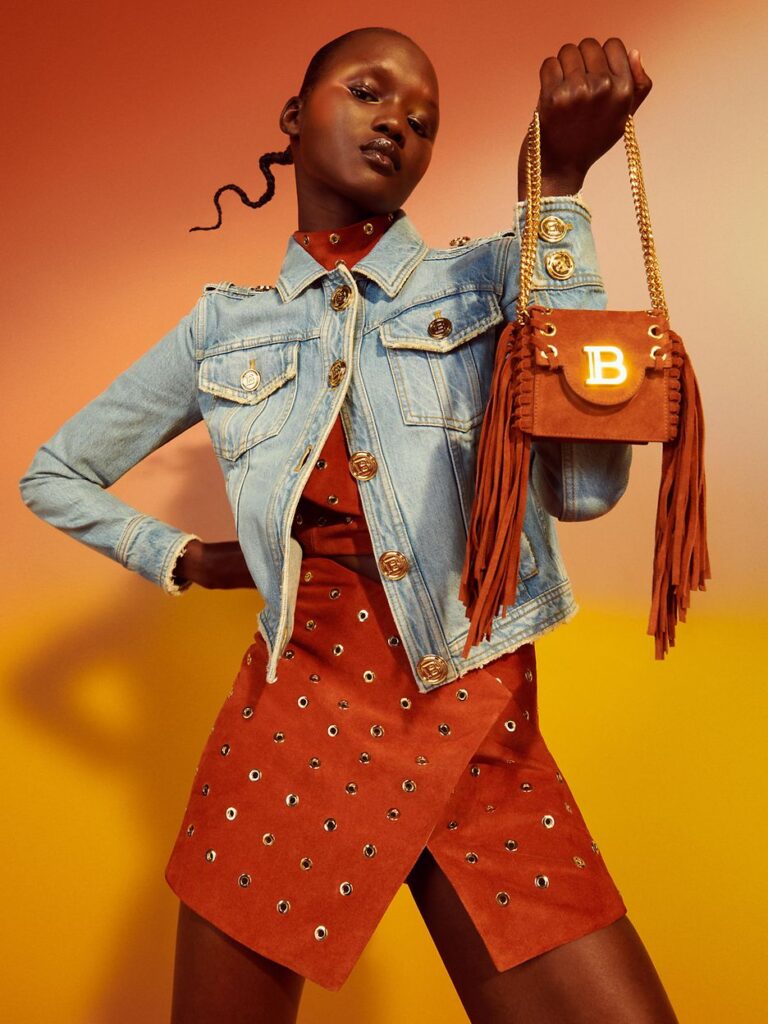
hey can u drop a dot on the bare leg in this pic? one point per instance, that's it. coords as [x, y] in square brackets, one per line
[217, 980]
[606, 977]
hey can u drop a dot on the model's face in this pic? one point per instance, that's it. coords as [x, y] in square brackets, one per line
[377, 87]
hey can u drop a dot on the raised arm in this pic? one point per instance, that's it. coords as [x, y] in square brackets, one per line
[586, 93]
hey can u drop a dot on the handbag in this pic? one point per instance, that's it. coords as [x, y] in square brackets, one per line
[588, 375]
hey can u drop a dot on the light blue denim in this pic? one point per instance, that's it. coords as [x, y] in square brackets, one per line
[414, 401]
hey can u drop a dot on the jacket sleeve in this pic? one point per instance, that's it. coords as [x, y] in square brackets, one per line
[148, 404]
[574, 480]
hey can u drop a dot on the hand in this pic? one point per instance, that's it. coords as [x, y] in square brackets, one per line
[587, 91]
[216, 566]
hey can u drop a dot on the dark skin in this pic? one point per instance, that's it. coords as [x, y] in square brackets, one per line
[586, 93]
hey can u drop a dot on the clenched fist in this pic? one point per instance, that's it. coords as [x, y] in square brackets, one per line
[587, 91]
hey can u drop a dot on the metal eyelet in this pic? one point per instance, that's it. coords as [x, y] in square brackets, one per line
[552, 349]
[655, 349]
[655, 331]
[552, 329]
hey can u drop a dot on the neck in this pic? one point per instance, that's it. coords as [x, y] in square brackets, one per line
[322, 210]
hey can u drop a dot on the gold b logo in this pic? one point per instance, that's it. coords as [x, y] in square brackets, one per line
[604, 358]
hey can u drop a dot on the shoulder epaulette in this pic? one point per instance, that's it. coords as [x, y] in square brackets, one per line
[237, 289]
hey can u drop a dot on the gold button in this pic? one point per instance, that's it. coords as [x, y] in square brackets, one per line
[363, 465]
[250, 379]
[393, 564]
[432, 668]
[341, 298]
[368, 228]
[559, 264]
[461, 240]
[440, 327]
[333, 238]
[552, 228]
[336, 373]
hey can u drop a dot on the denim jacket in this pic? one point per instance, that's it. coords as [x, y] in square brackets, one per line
[268, 368]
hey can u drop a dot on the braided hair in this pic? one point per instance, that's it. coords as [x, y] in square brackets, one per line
[312, 75]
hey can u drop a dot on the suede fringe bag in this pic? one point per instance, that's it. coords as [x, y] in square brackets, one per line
[588, 375]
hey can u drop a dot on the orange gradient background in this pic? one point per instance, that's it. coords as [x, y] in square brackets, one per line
[124, 119]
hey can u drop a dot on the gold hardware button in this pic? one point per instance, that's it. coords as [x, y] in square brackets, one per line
[461, 240]
[432, 668]
[439, 327]
[553, 229]
[393, 564]
[341, 298]
[363, 465]
[559, 264]
[336, 373]
[250, 379]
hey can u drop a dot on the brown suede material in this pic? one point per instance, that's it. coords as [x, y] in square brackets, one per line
[541, 387]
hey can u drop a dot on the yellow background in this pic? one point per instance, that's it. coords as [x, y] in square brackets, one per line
[126, 120]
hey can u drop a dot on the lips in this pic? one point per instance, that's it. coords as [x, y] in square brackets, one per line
[383, 147]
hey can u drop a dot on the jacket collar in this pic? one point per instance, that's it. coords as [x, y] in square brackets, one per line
[389, 263]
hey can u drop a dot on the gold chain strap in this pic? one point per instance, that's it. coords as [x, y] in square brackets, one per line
[642, 214]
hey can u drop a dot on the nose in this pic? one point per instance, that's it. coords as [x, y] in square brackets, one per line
[390, 125]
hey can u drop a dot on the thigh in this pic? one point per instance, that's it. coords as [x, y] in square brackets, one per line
[605, 977]
[217, 979]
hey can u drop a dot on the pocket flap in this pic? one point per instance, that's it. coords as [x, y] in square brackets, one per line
[443, 323]
[248, 375]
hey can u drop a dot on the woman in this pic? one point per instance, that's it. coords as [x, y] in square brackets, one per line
[358, 748]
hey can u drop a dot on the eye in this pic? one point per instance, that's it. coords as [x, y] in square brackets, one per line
[355, 89]
[417, 126]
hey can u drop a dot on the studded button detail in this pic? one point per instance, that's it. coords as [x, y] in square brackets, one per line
[511, 844]
[553, 228]
[244, 880]
[541, 881]
[471, 857]
[342, 297]
[254, 774]
[363, 465]
[345, 888]
[268, 839]
[439, 327]
[329, 824]
[292, 799]
[548, 821]
[461, 694]
[579, 862]
[432, 668]
[210, 855]
[559, 264]
[393, 564]
[321, 932]
[502, 898]
[283, 906]
[336, 373]
[250, 379]
[231, 813]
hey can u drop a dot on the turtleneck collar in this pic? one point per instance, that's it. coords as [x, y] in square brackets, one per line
[347, 244]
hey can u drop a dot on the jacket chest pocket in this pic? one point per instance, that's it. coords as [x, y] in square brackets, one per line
[247, 393]
[441, 354]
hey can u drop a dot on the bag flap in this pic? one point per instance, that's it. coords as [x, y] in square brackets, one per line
[603, 355]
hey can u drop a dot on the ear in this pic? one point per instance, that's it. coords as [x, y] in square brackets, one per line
[290, 116]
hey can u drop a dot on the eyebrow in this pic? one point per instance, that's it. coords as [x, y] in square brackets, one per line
[383, 70]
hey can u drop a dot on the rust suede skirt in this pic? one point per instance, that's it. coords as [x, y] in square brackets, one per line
[314, 796]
